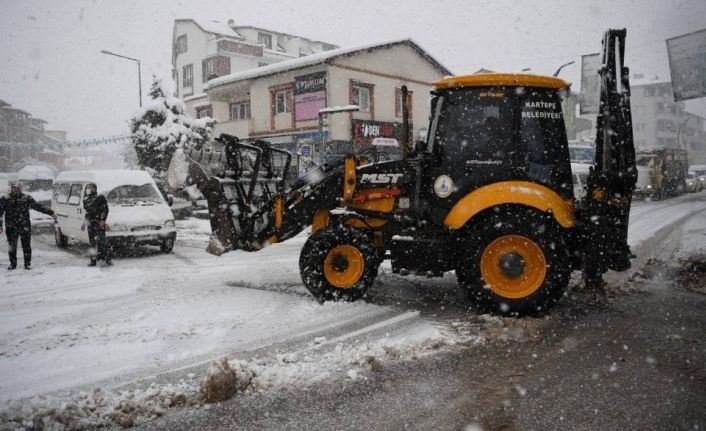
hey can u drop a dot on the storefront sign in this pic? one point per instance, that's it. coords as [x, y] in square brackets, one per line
[309, 96]
[365, 131]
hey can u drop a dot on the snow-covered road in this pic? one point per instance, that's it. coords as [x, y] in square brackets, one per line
[66, 325]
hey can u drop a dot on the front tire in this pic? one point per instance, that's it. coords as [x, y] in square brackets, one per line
[166, 245]
[338, 263]
[516, 263]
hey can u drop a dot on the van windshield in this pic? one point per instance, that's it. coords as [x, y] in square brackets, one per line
[132, 194]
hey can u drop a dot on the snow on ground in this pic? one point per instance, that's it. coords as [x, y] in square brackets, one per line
[66, 324]
[68, 327]
[646, 218]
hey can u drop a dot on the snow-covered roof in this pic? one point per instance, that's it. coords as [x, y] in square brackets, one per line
[291, 36]
[320, 58]
[217, 27]
[35, 172]
[107, 180]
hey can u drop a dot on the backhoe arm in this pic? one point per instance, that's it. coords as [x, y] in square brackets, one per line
[611, 182]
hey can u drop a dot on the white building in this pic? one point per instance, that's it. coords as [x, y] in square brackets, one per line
[280, 102]
[659, 121]
[202, 50]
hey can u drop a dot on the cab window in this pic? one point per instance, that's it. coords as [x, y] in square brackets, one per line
[61, 193]
[473, 125]
[75, 194]
[543, 137]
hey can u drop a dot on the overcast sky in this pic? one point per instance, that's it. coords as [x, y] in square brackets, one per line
[52, 66]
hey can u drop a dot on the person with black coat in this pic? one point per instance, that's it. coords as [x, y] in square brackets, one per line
[15, 207]
[96, 207]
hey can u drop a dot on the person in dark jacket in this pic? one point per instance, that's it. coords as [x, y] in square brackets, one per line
[16, 208]
[96, 207]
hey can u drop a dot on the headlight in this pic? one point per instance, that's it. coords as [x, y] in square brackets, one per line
[169, 223]
[648, 186]
[690, 183]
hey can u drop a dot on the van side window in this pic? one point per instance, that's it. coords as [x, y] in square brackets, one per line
[75, 194]
[61, 193]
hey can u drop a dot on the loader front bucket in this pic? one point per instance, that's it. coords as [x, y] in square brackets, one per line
[183, 172]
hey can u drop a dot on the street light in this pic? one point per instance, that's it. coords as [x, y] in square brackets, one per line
[139, 73]
[563, 66]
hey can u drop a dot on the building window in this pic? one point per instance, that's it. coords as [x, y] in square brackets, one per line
[240, 111]
[203, 111]
[208, 67]
[283, 101]
[265, 39]
[214, 67]
[660, 107]
[362, 95]
[398, 102]
[181, 44]
[187, 75]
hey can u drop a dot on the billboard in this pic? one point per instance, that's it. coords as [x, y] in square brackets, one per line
[309, 96]
[589, 99]
[687, 65]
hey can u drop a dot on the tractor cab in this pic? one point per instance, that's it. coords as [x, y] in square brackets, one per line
[497, 128]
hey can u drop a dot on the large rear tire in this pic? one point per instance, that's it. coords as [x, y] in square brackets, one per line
[515, 263]
[338, 263]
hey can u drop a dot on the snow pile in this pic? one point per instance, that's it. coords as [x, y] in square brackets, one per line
[224, 378]
[178, 171]
[96, 409]
[219, 383]
[691, 273]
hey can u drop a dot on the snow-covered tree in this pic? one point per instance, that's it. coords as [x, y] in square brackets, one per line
[160, 127]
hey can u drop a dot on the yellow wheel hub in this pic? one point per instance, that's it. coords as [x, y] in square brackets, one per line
[513, 266]
[344, 266]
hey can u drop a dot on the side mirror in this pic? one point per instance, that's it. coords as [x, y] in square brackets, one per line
[170, 199]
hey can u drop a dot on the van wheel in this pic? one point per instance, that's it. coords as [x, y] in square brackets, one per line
[60, 239]
[338, 263]
[516, 264]
[167, 245]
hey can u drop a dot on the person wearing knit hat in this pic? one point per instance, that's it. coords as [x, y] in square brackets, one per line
[15, 207]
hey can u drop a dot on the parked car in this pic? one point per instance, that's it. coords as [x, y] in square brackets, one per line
[700, 171]
[693, 183]
[138, 212]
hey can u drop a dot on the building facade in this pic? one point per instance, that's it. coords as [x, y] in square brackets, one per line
[203, 50]
[281, 102]
[23, 137]
[659, 121]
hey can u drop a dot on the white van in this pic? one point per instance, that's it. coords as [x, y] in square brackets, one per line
[138, 212]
